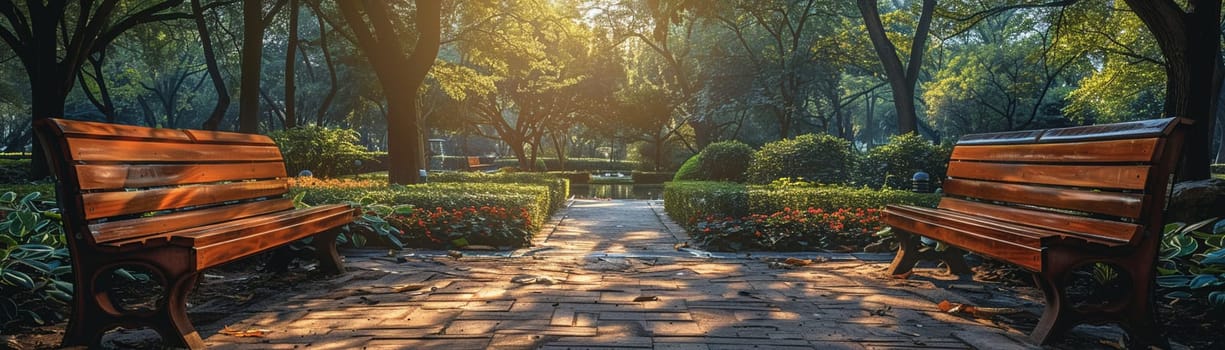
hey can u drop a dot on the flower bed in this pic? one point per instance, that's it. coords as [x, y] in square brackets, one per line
[442, 228]
[790, 230]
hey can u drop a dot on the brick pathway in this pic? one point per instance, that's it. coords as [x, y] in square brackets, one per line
[608, 275]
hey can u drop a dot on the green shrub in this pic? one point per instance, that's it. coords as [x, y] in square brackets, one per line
[559, 188]
[690, 170]
[818, 158]
[1218, 168]
[35, 270]
[573, 164]
[788, 194]
[325, 152]
[457, 228]
[689, 201]
[652, 177]
[14, 170]
[892, 164]
[725, 161]
[534, 198]
[575, 177]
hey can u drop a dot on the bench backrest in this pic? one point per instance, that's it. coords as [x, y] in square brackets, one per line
[1103, 183]
[110, 178]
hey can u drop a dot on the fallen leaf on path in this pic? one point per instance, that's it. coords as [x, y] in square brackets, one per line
[235, 332]
[408, 287]
[646, 298]
[977, 312]
[797, 262]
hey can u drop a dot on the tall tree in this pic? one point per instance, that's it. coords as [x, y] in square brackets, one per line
[254, 21]
[214, 70]
[1189, 35]
[382, 40]
[291, 49]
[53, 44]
[902, 80]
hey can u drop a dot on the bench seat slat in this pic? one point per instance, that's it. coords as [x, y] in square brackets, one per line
[1126, 177]
[77, 128]
[119, 176]
[1019, 249]
[1111, 151]
[1110, 233]
[255, 241]
[1124, 205]
[133, 230]
[127, 151]
[206, 136]
[106, 204]
[237, 229]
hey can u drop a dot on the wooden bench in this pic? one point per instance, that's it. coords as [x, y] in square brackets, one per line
[1052, 201]
[172, 203]
[474, 164]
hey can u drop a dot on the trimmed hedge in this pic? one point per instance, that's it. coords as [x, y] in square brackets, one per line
[1218, 168]
[533, 198]
[892, 164]
[725, 161]
[770, 199]
[575, 177]
[15, 170]
[579, 164]
[690, 170]
[559, 188]
[819, 158]
[652, 177]
[688, 201]
[326, 152]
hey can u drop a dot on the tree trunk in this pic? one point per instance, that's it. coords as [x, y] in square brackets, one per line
[252, 56]
[401, 77]
[901, 82]
[214, 70]
[1190, 42]
[291, 49]
[320, 116]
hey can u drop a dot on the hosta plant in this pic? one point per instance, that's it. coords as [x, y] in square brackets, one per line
[35, 272]
[1192, 262]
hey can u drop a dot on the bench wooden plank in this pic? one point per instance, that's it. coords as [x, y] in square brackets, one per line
[133, 230]
[1026, 255]
[250, 244]
[237, 229]
[128, 151]
[1113, 151]
[206, 136]
[1127, 177]
[119, 176]
[1106, 232]
[77, 128]
[106, 204]
[1123, 205]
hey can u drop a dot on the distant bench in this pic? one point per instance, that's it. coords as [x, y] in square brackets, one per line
[172, 202]
[474, 164]
[1052, 201]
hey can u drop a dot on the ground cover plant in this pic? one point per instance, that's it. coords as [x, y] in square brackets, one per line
[35, 273]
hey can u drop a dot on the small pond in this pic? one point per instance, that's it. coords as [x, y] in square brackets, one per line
[617, 191]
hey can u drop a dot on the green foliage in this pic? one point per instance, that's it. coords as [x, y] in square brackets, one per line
[725, 161]
[892, 164]
[819, 158]
[325, 152]
[652, 177]
[791, 194]
[573, 164]
[690, 170]
[536, 199]
[35, 271]
[14, 170]
[1218, 168]
[559, 188]
[1191, 263]
[689, 201]
[575, 177]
